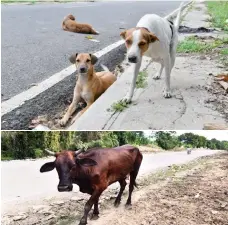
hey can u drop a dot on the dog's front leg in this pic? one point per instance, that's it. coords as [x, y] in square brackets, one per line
[81, 112]
[71, 108]
[130, 93]
[167, 65]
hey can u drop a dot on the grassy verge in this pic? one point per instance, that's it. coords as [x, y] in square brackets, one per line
[193, 44]
[218, 12]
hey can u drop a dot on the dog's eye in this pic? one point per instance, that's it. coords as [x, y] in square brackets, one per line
[128, 42]
[142, 43]
[77, 60]
[88, 60]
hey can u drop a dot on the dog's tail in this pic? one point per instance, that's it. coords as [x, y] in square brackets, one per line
[94, 31]
[105, 68]
[177, 21]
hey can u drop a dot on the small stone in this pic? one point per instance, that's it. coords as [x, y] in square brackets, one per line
[197, 195]
[214, 212]
[58, 203]
[210, 74]
[202, 57]
[75, 198]
[20, 217]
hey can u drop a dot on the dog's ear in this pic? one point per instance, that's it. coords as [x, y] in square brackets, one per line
[72, 58]
[93, 59]
[153, 38]
[123, 34]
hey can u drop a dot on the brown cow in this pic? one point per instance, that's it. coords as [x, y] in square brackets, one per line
[94, 170]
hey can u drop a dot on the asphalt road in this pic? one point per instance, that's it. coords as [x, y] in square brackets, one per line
[34, 46]
[22, 181]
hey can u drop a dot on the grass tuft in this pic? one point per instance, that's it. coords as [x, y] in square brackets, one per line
[195, 45]
[141, 80]
[218, 11]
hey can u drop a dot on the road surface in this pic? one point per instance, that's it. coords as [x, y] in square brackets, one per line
[22, 182]
[34, 47]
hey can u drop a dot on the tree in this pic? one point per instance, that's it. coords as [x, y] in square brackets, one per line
[166, 140]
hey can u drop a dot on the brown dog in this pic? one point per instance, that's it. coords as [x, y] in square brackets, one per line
[90, 85]
[69, 24]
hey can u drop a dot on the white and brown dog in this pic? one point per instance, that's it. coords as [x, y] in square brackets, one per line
[157, 38]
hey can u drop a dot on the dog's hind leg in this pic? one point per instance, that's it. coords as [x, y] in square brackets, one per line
[159, 73]
[167, 65]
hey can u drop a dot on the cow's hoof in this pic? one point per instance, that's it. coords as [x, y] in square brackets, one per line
[117, 203]
[83, 222]
[128, 206]
[94, 217]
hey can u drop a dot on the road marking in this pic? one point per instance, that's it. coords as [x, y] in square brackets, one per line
[18, 100]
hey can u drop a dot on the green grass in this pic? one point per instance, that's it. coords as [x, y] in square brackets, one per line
[141, 79]
[194, 45]
[219, 13]
[118, 106]
[224, 51]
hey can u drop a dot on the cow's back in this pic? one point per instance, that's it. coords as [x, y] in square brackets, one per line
[113, 164]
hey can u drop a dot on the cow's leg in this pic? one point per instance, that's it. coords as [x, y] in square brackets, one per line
[133, 176]
[123, 184]
[95, 214]
[93, 199]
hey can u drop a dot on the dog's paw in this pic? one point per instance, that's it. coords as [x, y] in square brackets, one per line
[127, 98]
[167, 94]
[63, 122]
[157, 76]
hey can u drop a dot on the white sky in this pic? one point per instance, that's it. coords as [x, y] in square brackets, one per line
[221, 135]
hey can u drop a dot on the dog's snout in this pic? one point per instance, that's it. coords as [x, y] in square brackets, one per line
[82, 69]
[132, 59]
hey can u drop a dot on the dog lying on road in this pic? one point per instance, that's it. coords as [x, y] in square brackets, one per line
[155, 37]
[90, 85]
[69, 24]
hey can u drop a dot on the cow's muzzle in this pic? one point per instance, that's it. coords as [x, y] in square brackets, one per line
[62, 188]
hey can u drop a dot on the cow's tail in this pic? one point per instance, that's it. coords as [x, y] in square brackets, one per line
[137, 164]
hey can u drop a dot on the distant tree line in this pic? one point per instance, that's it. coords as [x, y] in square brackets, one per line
[29, 144]
[168, 140]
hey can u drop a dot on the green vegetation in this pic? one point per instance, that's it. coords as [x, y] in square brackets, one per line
[141, 79]
[224, 51]
[29, 144]
[118, 106]
[193, 44]
[218, 11]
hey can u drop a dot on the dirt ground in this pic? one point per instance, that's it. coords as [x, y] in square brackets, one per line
[194, 193]
[198, 196]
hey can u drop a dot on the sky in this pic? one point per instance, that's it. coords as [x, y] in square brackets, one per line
[221, 135]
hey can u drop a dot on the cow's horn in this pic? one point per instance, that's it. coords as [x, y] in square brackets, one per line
[49, 152]
[78, 152]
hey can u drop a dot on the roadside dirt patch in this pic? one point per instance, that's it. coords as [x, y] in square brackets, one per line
[198, 197]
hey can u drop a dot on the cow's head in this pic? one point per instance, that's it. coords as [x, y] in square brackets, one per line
[66, 163]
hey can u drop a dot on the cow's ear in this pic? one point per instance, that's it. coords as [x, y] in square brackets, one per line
[47, 167]
[86, 162]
